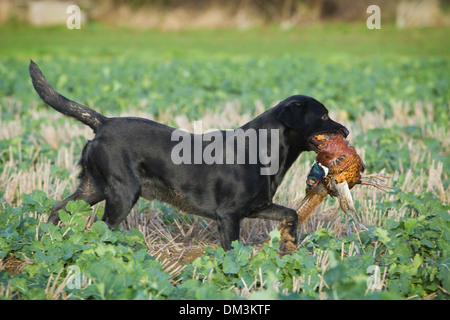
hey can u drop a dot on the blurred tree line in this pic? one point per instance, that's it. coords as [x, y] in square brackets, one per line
[279, 10]
[243, 13]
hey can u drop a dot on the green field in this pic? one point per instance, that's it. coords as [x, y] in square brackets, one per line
[390, 87]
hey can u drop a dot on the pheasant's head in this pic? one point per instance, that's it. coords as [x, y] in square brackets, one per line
[317, 173]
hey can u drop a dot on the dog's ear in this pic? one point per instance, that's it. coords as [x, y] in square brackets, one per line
[292, 115]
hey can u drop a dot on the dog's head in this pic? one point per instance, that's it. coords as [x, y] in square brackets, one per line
[308, 117]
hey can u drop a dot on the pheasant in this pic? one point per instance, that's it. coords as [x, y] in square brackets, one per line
[337, 169]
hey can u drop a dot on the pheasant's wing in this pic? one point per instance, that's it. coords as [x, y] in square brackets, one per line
[346, 201]
[331, 160]
[313, 198]
[336, 162]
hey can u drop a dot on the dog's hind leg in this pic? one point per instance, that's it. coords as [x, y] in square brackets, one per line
[86, 191]
[228, 225]
[120, 199]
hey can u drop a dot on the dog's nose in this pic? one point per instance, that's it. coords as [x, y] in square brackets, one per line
[345, 132]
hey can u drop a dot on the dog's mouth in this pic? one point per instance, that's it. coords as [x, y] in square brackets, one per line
[314, 142]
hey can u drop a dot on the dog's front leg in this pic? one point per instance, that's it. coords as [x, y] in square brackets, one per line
[288, 227]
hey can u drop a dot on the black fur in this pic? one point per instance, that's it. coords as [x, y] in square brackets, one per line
[131, 158]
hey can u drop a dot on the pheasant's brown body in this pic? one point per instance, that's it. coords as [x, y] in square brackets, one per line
[340, 158]
[345, 167]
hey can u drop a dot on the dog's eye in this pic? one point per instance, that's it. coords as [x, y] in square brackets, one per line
[325, 117]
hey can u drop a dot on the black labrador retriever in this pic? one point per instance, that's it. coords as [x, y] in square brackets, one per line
[134, 157]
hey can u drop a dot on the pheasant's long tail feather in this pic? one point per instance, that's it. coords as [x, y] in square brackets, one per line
[312, 199]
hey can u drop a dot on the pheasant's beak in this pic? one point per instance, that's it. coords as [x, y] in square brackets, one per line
[346, 201]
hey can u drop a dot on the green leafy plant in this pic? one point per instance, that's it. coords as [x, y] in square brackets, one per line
[116, 263]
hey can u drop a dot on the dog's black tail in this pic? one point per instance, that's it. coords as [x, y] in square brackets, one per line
[60, 103]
